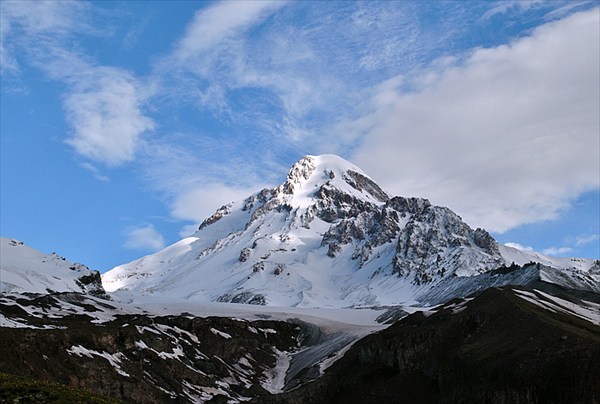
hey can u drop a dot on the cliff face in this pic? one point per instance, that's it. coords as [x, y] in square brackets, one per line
[495, 348]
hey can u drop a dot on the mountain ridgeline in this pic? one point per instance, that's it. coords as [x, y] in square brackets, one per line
[328, 236]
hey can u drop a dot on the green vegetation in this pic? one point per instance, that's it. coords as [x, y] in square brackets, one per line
[18, 389]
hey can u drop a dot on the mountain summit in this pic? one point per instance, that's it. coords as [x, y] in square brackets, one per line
[329, 236]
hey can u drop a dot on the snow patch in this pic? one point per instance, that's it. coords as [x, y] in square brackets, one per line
[274, 378]
[113, 359]
[220, 333]
[590, 312]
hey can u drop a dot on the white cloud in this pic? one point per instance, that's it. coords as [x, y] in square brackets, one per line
[144, 238]
[195, 183]
[555, 251]
[103, 104]
[518, 246]
[506, 138]
[104, 109]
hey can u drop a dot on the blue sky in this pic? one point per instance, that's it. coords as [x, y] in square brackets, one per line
[125, 123]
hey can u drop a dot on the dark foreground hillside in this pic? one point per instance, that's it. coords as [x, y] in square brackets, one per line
[502, 346]
[136, 358]
[497, 348]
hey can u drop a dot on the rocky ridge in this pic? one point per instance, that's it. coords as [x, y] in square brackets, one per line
[327, 236]
[27, 270]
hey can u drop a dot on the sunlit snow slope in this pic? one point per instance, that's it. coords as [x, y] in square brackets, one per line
[328, 237]
[23, 269]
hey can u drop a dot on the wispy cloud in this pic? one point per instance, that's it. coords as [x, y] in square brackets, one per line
[102, 103]
[195, 188]
[95, 172]
[504, 6]
[42, 22]
[144, 238]
[572, 245]
[509, 136]
[218, 23]
[564, 10]
[300, 77]
[8, 63]
[198, 203]
[104, 109]
[586, 239]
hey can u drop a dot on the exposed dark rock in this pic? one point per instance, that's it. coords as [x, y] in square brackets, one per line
[258, 266]
[435, 238]
[307, 217]
[483, 240]
[244, 254]
[222, 211]
[279, 268]
[391, 315]
[410, 206]
[261, 197]
[92, 283]
[246, 297]
[333, 204]
[384, 228]
[333, 249]
[362, 183]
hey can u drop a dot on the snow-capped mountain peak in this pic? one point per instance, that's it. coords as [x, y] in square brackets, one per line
[327, 236]
[326, 185]
[314, 172]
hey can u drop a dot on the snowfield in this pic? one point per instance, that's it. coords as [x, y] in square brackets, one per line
[24, 269]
